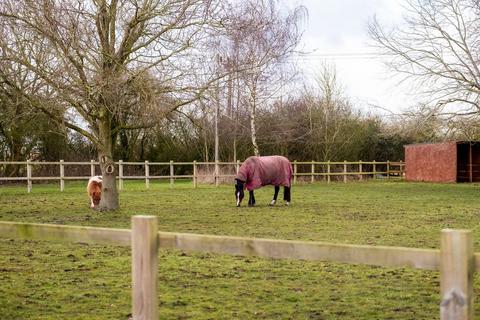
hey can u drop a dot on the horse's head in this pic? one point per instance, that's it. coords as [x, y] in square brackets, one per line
[239, 194]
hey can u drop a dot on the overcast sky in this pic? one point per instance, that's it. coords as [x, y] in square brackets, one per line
[336, 31]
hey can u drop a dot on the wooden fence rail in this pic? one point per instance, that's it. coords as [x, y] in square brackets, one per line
[312, 169]
[456, 259]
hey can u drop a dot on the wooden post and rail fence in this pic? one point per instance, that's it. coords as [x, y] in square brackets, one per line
[314, 170]
[455, 260]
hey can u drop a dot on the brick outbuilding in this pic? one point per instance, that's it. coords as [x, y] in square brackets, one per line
[457, 161]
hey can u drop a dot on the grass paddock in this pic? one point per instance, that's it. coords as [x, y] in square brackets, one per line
[47, 280]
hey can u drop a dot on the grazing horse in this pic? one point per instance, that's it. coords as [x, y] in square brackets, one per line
[257, 172]
[94, 190]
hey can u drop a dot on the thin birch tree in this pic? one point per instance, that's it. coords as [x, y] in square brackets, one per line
[258, 39]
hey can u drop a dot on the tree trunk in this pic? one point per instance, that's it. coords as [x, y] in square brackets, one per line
[217, 114]
[235, 147]
[254, 130]
[109, 200]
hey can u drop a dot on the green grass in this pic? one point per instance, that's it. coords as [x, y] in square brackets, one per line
[46, 280]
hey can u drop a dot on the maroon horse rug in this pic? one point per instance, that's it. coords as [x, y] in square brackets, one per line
[257, 172]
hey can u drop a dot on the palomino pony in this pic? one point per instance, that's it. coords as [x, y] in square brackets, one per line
[257, 172]
[94, 190]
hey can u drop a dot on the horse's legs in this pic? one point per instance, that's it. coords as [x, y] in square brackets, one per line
[251, 199]
[277, 189]
[287, 196]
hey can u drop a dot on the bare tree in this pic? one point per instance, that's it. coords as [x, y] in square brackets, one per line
[330, 115]
[437, 46]
[20, 124]
[258, 39]
[334, 107]
[114, 64]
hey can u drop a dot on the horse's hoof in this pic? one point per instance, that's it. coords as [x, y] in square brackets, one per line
[287, 203]
[251, 204]
[272, 203]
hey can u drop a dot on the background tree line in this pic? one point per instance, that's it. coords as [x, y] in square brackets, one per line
[319, 123]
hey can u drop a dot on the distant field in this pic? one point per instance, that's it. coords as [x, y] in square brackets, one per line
[45, 280]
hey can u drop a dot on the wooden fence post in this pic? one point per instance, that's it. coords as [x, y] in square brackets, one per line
[457, 264]
[120, 174]
[147, 175]
[172, 172]
[194, 173]
[344, 171]
[29, 177]
[237, 166]
[313, 172]
[92, 168]
[360, 170]
[144, 267]
[295, 172]
[62, 176]
[328, 171]
[374, 170]
[388, 169]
